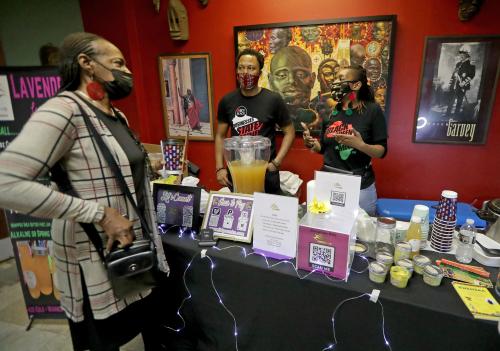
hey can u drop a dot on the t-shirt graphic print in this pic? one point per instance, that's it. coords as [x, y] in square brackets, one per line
[245, 124]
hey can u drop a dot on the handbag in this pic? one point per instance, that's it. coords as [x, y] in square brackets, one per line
[131, 269]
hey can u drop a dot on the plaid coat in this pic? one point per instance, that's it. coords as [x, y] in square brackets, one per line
[57, 132]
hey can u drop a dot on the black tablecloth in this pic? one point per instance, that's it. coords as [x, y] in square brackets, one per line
[275, 310]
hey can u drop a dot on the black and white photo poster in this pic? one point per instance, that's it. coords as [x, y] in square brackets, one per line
[457, 89]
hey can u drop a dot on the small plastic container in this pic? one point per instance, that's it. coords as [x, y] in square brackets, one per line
[399, 276]
[386, 258]
[433, 275]
[377, 272]
[406, 263]
[419, 263]
[403, 250]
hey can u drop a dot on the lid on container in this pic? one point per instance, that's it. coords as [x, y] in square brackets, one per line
[421, 260]
[450, 194]
[421, 208]
[433, 270]
[384, 256]
[416, 219]
[494, 206]
[360, 248]
[386, 222]
[377, 267]
[404, 262]
[247, 142]
[171, 141]
[404, 245]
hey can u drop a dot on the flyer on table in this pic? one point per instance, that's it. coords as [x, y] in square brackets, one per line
[275, 225]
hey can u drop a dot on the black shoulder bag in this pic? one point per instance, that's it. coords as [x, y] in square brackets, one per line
[132, 269]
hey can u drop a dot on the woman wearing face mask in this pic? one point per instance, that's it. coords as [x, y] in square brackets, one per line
[253, 110]
[354, 133]
[93, 73]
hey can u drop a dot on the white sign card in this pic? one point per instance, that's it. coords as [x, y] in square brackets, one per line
[275, 225]
[341, 191]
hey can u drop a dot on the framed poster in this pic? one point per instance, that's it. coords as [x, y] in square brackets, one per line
[177, 205]
[457, 89]
[186, 90]
[230, 215]
[302, 59]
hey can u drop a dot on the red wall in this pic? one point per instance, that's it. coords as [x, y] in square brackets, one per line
[415, 171]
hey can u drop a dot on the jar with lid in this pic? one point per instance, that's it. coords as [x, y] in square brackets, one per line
[385, 234]
[419, 263]
[433, 275]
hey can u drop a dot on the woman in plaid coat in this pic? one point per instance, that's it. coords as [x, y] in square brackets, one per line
[94, 73]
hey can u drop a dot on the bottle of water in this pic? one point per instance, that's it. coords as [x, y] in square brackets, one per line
[466, 240]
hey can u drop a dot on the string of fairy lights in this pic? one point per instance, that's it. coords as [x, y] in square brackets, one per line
[183, 232]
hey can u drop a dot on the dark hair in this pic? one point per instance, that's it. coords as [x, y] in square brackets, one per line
[72, 46]
[48, 54]
[365, 93]
[254, 53]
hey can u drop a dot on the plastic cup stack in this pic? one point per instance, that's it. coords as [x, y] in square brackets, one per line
[445, 221]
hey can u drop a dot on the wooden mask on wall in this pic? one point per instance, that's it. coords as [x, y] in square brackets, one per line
[468, 9]
[178, 20]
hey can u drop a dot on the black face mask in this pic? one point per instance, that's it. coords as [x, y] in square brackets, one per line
[340, 90]
[121, 86]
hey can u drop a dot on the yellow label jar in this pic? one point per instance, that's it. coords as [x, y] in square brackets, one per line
[399, 276]
[419, 263]
[433, 275]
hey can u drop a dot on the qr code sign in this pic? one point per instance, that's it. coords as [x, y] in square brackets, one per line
[337, 198]
[321, 255]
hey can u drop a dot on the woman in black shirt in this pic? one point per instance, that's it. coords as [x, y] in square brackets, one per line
[354, 133]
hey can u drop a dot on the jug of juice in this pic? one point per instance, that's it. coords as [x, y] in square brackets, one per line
[247, 158]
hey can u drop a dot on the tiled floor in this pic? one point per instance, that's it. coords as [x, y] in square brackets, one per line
[44, 335]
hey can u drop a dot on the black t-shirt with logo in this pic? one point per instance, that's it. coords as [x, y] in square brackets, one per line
[254, 115]
[370, 123]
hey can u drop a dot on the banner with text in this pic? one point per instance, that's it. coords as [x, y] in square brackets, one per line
[22, 91]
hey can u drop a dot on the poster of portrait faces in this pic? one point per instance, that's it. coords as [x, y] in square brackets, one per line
[303, 59]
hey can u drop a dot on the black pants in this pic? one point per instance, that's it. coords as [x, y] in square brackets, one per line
[143, 316]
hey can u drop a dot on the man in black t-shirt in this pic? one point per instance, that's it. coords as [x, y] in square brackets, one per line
[252, 110]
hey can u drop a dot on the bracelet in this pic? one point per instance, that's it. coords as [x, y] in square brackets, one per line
[219, 169]
[275, 165]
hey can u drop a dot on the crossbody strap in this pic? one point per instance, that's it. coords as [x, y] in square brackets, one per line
[60, 177]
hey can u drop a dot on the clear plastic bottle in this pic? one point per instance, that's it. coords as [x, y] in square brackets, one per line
[466, 240]
[414, 235]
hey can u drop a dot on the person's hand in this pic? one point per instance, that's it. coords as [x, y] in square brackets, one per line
[271, 167]
[117, 228]
[354, 140]
[222, 177]
[309, 141]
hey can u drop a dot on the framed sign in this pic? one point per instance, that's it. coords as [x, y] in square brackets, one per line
[230, 215]
[457, 89]
[177, 204]
[303, 58]
[186, 87]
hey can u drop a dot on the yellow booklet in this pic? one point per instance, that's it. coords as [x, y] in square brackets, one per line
[478, 300]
